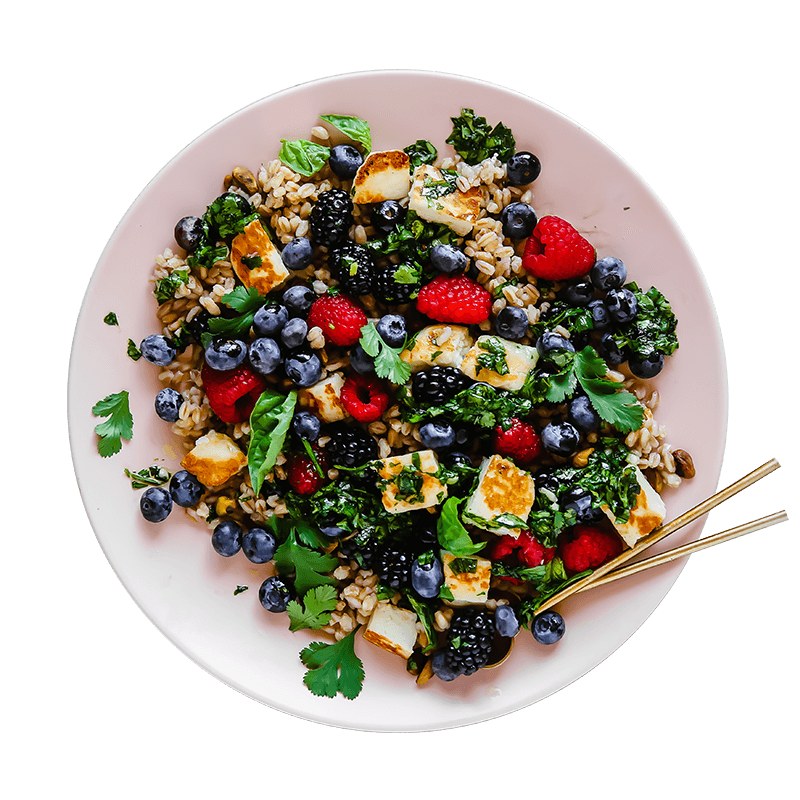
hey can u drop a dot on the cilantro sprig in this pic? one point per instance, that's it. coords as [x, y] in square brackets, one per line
[585, 368]
[333, 668]
[118, 426]
[388, 363]
[310, 567]
[314, 611]
[242, 300]
[474, 139]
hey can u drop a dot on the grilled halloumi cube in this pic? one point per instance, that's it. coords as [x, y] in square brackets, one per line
[214, 459]
[503, 489]
[648, 513]
[392, 628]
[266, 270]
[438, 345]
[325, 398]
[470, 586]
[384, 175]
[436, 198]
[500, 363]
[411, 482]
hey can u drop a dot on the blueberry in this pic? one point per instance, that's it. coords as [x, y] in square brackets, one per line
[610, 351]
[225, 354]
[448, 258]
[458, 460]
[427, 578]
[259, 545]
[441, 669]
[392, 329]
[579, 293]
[330, 529]
[269, 320]
[519, 220]
[523, 168]
[561, 438]
[544, 479]
[297, 254]
[168, 404]
[622, 305]
[581, 414]
[362, 363]
[437, 435]
[294, 333]
[158, 350]
[190, 233]
[581, 502]
[306, 425]
[155, 504]
[386, 216]
[511, 323]
[550, 341]
[548, 627]
[227, 538]
[608, 273]
[264, 355]
[344, 161]
[303, 369]
[647, 366]
[298, 300]
[185, 489]
[198, 325]
[505, 621]
[600, 316]
[275, 594]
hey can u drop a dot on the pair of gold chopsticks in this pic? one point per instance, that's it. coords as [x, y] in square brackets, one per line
[610, 571]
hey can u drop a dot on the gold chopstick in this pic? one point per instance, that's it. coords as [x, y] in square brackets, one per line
[662, 532]
[688, 549]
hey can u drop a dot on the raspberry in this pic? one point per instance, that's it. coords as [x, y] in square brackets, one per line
[520, 442]
[588, 548]
[364, 398]
[454, 298]
[555, 251]
[340, 319]
[303, 476]
[529, 552]
[232, 394]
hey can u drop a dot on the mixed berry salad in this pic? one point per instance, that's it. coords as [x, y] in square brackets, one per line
[423, 406]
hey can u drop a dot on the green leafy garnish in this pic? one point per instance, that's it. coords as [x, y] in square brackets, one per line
[149, 476]
[333, 668]
[251, 262]
[421, 152]
[111, 319]
[552, 581]
[165, 287]
[413, 239]
[452, 535]
[434, 190]
[653, 329]
[354, 127]
[207, 255]
[228, 216]
[425, 613]
[388, 363]
[304, 157]
[315, 610]
[134, 353]
[463, 566]
[246, 302]
[474, 139]
[575, 319]
[494, 356]
[309, 567]
[619, 408]
[269, 424]
[240, 589]
[118, 426]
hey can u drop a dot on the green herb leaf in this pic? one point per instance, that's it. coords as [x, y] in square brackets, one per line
[494, 356]
[388, 363]
[165, 287]
[333, 668]
[304, 157]
[111, 319]
[318, 602]
[149, 476]
[247, 302]
[413, 239]
[269, 424]
[421, 152]
[354, 127]
[463, 566]
[309, 567]
[228, 216]
[425, 613]
[118, 426]
[207, 255]
[251, 262]
[653, 329]
[134, 353]
[240, 589]
[452, 535]
[474, 139]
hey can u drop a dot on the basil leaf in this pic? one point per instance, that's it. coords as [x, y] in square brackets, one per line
[452, 535]
[354, 127]
[304, 157]
[269, 424]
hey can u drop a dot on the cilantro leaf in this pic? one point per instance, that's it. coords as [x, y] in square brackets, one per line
[240, 589]
[309, 566]
[421, 152]
[452, 535]
[119, 424]
[585, 368]
[354, 127]
[474, 139]
[134, 353]
[165, 287]
[653, 328]
[111, 319]
[333, 668]
[247, 302]
[493, 358]
[318, 602]
[388, 363]
[228, 216]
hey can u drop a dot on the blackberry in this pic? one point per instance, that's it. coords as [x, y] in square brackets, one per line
[388, 290]
[437, 385]
[350, 446]
[331, 217]
[362, 548]
[393, 566]
[469, 640]
[353, 266]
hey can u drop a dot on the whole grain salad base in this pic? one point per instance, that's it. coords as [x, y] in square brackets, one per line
[488, 470]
